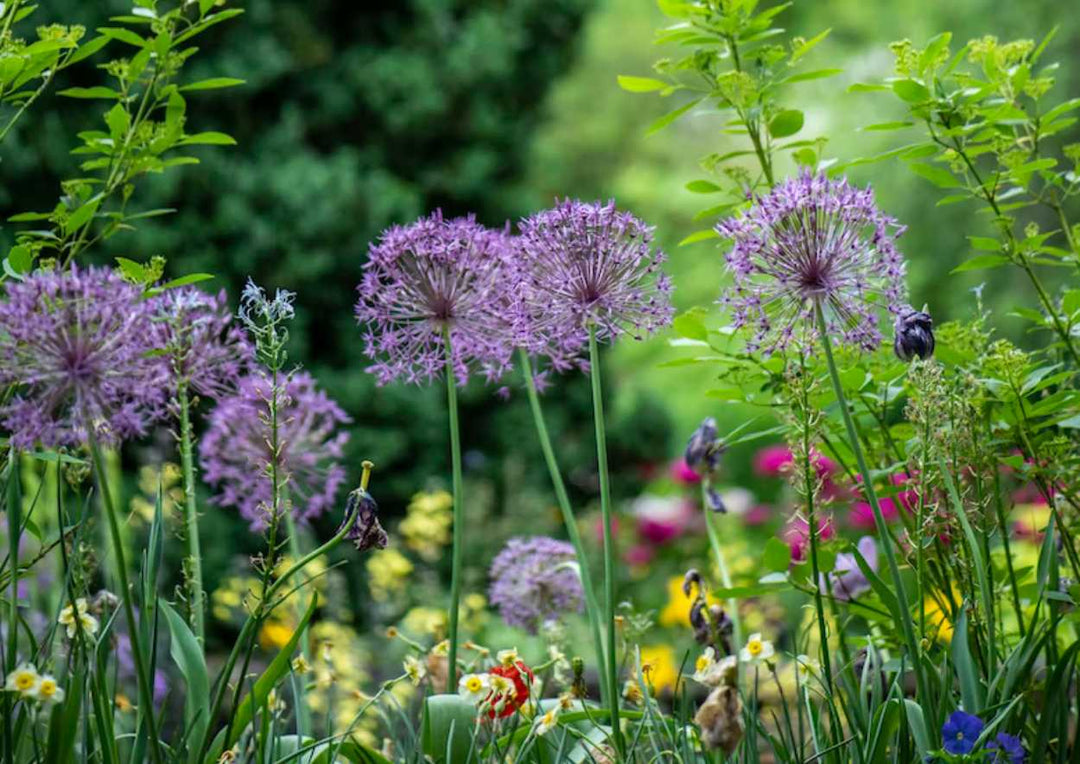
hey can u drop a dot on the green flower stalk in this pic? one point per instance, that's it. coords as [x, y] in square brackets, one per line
[457, 540]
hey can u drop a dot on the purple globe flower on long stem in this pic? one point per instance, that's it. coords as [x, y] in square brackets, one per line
[590, 264]
[235, 454]
[534, 581]
[432, 279]
[203, 345]
[813, 241]
[76, 345]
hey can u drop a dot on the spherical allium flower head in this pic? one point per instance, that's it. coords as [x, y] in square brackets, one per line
[534, 580]
[960, 732]
[811, 241]
[235, 453]
[590, 264]
[203, 345]
[914, 334]
[428, 278]
[76, 345]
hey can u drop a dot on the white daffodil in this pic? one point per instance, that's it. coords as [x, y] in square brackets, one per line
[475, 687]
[806, 666]
[508, 657]
[23, 680]
[47, 690]
[756, 650]
[78, 617]
[443, 648]
[546, 722]
[705, 667]
[414, 669]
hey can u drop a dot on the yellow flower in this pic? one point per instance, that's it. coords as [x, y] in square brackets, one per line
[275, 634]
[677, 610]
[123, 704]
[388, 572]
[83, 620]
[938, 625]
[300, 665]
[427, 524]
[474, 687]
[414, 669]
[545, 723]
[23, 680]
[658, 666]
[425, 620]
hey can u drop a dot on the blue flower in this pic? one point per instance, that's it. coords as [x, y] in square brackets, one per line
[960, 732]
[1007, 748]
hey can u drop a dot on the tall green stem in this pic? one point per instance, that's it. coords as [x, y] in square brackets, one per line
[906, 623]
[609, 552]
[14, 509]
[459, 514]
[295, 551]
[725, 577]
[191, 516]
[592, 607]
[146, 694]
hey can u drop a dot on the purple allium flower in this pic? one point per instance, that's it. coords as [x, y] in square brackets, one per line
[588, 263]
[813, 240]
[535, 580]
[429, 277]
[960, 732]
[847, 579]
[1007, 748]
[235, 452]
[914, 334]
[203, 344]
[76, 344]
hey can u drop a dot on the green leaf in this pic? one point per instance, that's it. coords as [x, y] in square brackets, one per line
[88, 49]
[671, 116]
[691, 326]
[81, 216]
[939, 176]
[123, 35]
[447, 728]
[776, 556]
[640, 84]
[785, 123]
[981, 262]
[697, 236]
[866, 87]
[751, 590]
[214, 83]
[807, 46]
[119, 121]
[208, 139]
[98, 91]
[187, 653]
[20, 259]
[703, 187]
[132, 270]
[817, 74]
[911, 91]
[883, 126]
[805, 157]
[971, 690]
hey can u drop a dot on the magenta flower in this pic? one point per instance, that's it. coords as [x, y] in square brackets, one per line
[428, 278]
[588, 264]
[861, 515]
[203, 345]
[76, 345]
[235, 454]
[774, 461]
[534, 581]
[811, 241]
[797, 535]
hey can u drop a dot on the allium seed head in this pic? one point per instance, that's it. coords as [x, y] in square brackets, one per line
[590, 264]
[76, 346]
[425, 279]
[813, 240]
[235, 453]
[533, 581]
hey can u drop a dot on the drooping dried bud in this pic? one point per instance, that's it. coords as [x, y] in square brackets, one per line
[691, 579]
[366, 533]
[704, 449]
[720, 719]
[914, 335]
[715, 501]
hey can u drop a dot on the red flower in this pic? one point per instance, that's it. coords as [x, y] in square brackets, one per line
[504, 705]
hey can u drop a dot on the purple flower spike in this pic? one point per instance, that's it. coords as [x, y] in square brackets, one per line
[75, 345]
[813, 240]
[235, 454]
[204, 345]
[534, 580]
[589, 263]
[428, 277]
[960, 732]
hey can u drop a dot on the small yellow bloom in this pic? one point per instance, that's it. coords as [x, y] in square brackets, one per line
[442, 648]
[123, 704]
[414, 670]
[508, 657]
[545, 723]
[938, 624]
[388, 572]
[48, 691]
[658, 666]
[756, 650]
[78, 617]
[23, 680]
[474, 687]
[677, 610]
[300, 665]
[275, 634]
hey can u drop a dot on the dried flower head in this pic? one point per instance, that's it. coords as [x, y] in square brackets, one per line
[534, 580]
[366, 532]
[590, 264]
[914, 334]
[720, 719]
[429, 278]
[76, 346]
[813, 241]
[235, 453]
[204, 346]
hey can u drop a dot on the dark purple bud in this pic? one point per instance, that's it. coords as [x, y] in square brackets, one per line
[691, 578]
[914, 335]
[715, 501]
[366, 532]
[704, 449]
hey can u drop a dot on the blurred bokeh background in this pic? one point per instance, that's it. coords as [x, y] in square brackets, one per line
[356, 116]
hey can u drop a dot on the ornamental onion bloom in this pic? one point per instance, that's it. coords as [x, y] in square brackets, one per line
[235, 454]
[590, 264]
[811, 241]
[960, 732]
[535, 580]
[76, 345]
[203, 345]
[428, 278]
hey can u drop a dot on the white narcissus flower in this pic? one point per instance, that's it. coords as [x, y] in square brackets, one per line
[23, 680]
[806, 666]
[78, 617]
[547, 722]
[47, 690]
[414, 669]
[508, 657]
[475, 687]
[756, 650]
[712, 672]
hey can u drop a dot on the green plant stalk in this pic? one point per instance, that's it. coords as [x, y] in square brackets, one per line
[609, 552]
[191, 515]
[906, 624]
[146, 695]
[459, 512]
[11, 496]
[303, 721]
[725, 577]
[592, 607]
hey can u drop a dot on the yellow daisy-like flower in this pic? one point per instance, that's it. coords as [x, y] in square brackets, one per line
[275, 634]
[388, 573]
[508, 657]
[78, 617]
[756, 650]
[23, 680]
